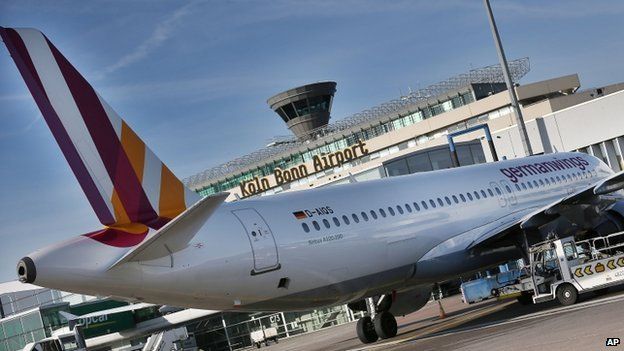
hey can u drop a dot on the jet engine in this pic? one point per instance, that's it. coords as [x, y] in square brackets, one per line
[398, 303]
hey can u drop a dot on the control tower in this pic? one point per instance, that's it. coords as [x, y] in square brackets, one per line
[304, 108]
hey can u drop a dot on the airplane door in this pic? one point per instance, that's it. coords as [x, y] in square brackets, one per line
[496, 188]
[263, 245]
[508, 189]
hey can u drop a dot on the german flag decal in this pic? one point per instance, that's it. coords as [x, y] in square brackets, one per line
[300, 215]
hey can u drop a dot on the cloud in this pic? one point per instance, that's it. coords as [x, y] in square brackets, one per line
[161, 33]
[15, 97]
[23, 130]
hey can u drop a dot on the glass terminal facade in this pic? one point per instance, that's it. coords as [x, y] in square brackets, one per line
[365, 134]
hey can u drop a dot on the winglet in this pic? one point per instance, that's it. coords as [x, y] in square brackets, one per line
[176, 234]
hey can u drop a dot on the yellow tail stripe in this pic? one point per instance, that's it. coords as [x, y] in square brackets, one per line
[134, 148]
[120, 212]
[171, 201]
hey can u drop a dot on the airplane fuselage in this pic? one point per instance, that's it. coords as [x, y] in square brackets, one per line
[325, 246]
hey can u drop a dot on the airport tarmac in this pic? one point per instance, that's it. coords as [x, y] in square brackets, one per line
[491, 325]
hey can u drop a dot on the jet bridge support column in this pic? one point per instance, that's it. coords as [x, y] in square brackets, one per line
[488, 137]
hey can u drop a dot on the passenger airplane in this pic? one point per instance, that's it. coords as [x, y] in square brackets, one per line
[390, 239]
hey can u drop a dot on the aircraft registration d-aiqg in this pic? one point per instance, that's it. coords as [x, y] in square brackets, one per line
[390, 239]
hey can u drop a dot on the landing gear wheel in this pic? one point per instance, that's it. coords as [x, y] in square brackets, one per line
[366, 330]
[385, 325]
[525, 299]
[567, 294]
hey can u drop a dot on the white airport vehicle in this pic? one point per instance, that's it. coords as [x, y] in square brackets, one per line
[61, 340]
[264, 335]
[564, 268]
[389, 239]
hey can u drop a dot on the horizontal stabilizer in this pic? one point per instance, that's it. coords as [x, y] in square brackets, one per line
[176, 234]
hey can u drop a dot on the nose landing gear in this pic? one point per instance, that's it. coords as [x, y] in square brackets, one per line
[382, 324]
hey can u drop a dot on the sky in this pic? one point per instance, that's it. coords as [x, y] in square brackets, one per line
[192, 78]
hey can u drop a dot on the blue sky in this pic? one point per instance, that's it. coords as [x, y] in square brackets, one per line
[192, 78]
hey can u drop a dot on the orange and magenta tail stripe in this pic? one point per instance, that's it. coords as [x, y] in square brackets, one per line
[122, 178]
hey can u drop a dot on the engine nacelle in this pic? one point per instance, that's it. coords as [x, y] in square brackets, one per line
[611, 220]
[408, 301]
[398, 303]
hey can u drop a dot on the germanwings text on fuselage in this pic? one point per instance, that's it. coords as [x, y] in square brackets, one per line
[514, 173]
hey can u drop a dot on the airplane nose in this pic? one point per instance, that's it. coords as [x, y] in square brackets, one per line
[26, 271]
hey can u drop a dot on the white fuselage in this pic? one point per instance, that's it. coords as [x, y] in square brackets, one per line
[248, 248]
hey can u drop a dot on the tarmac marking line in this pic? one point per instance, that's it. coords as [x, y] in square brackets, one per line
[455, 321]
[531, 316]
[458, 320]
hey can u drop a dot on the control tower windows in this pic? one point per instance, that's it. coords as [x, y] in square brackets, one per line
[282, 114]
[302, 107]
[319, 103]
[290, 111]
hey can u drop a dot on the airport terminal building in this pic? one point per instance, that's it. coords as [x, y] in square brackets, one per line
[409, 134]
[398, 137]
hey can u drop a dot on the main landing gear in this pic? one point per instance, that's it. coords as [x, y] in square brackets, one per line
[382, 325]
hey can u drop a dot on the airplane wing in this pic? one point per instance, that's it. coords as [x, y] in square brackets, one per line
[176, 234]
[547, 213]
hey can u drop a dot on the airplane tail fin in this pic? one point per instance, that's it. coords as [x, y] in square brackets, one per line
[129, 188]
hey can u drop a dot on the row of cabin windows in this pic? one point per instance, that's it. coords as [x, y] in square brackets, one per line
[448, 200]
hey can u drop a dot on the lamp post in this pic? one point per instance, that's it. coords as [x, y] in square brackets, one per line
[524, 137]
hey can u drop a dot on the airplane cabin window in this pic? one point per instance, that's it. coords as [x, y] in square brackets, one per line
[336, 221]
[490, 192]
[416, 207]
[558, 179]
[469, 196]
[382, 212]
[440, 202]
[432, 203]
[461, 196]
[400, 209]
[326, 223]
[408, 208]
[530, 185]
[524, 186]
[305, 227]
[391, 211]
[448, 201]
[424, 204]
[547, 181]
[518, 187]
[373, 214]
[535, 183]
[476, 195]
[363, 214]
[316, 225]
[355, 218]
[483, 194]
[541, 182]
[508, 188]
[455, 199]
[498, 191]
[345, 219]
[552, 180]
